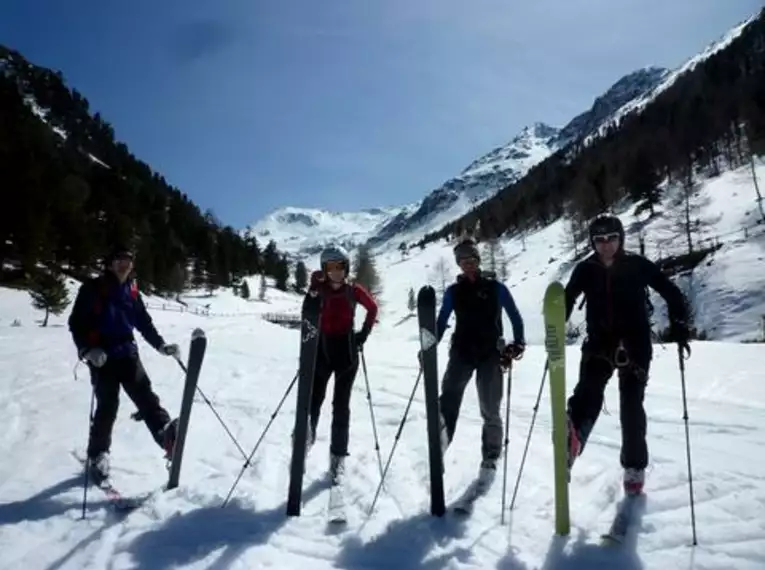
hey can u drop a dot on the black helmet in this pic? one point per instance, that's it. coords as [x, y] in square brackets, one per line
[466, 248]
[606, 224]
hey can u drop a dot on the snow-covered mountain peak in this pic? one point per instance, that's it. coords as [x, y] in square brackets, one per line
[304, 231]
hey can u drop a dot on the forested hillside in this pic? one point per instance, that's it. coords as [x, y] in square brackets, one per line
[711, 119]
[70, 189]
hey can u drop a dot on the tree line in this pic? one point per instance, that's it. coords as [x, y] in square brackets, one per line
[70, 190]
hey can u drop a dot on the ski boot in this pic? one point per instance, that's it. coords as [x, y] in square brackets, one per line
[167, 437]
[574, 444]
[634, 480]
[336, 468]
[487, 472]
[99, 467]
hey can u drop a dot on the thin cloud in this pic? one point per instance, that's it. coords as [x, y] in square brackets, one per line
[196, 40]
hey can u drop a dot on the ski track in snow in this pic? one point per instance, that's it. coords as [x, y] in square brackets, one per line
[45, 412]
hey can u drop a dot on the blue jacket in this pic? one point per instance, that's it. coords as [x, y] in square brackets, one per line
[106, 312]
[482, 322]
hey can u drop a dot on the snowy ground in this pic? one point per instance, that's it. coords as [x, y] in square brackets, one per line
[249, 365]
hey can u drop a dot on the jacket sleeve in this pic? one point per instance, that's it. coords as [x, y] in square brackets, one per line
[676, 303]
[367, 301]
[574, 288]
[81, 317]
[447, 306]
[508, 304]
[145, 325]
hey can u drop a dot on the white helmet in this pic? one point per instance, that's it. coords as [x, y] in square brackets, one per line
[334, 253]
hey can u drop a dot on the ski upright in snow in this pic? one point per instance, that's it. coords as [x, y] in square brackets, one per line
[555, 343]
[309, 344]
[426, 315]
[197, 350]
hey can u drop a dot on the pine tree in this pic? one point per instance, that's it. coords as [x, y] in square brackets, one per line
[365, 271]
[281, 274]
[49, 294]
[301, 276]
[263, 287]
[411, 304]
[245, 289]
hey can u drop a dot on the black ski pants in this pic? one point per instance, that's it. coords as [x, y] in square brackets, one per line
[489, 382]
[129, 373]
[586, 402]
[337, 355]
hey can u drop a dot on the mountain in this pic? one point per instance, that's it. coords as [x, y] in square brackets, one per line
[499, 168]
[301, 232]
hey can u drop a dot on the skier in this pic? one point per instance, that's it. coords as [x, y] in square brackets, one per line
[339, 346]
[614, 283]
[477, 299]
[105, 312]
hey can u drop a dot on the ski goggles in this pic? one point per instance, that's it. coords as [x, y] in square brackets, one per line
[605, 238]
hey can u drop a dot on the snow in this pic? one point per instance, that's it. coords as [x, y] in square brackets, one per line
[249, 366]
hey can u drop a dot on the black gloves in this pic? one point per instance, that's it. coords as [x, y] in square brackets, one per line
[511, 352]
[680, 334]
[361, 337]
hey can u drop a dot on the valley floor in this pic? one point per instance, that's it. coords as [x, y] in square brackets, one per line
[249, 365]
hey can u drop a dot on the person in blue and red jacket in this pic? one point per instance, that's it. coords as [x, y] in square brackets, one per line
[105, 312]
[339, 347]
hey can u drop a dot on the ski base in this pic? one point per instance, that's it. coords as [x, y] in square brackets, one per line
[119, 502]
[336, 511]
[622, 522]
[466, 503]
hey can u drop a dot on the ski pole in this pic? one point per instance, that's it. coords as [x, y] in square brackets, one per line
[260, 439]
[395, 441]
[214, 411]
[507, 436]
[87, 458]
[681, 361]
[528, 437]
[372, 413]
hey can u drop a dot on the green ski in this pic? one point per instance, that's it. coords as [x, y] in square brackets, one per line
[555, 343]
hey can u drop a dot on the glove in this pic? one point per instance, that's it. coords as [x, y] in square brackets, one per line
[680, 334]
[361, 338]
[95, 357]
[317, 278]
[170, 350]
[511, 352]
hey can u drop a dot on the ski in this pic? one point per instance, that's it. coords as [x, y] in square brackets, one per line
[555, 344]
[426, 316]
[477, 489]
[309, 344]
[336, 510]
[622, 521]
[197, 350]
[119, 502]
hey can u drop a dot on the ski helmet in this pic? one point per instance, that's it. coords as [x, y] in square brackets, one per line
[466, 249]
[605, 224]
[334, 253]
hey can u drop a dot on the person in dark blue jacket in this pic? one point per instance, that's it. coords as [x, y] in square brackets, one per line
[106, 311]
[477, 345]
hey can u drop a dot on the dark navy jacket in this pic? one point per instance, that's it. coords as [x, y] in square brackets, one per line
[106, 312]
[478, 306]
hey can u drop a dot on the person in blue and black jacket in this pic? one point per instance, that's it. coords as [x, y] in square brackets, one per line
[477, 345]
[105, 312]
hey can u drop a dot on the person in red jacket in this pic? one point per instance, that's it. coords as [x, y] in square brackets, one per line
[339, 347]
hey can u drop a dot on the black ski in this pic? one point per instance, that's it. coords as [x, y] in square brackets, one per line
[309, 344]
[196, 356]
[426, 315]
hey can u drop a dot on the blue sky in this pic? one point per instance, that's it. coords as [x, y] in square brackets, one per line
[248, 105]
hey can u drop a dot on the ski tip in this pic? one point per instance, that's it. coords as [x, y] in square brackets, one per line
[197, 333]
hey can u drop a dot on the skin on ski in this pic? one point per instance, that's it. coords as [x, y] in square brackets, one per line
[622, 521]
[121, 503]
[465, 504]
[555, 325]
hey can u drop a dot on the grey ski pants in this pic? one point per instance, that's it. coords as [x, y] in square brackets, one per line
[489, 383]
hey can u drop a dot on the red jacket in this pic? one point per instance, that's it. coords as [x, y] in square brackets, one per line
[338, 306]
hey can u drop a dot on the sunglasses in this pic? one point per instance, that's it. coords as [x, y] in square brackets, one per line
[605, 238]
[334, 266]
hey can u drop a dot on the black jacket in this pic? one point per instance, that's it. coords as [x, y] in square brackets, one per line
[617, 301]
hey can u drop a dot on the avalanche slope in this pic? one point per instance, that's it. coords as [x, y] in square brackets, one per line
[249, 365]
